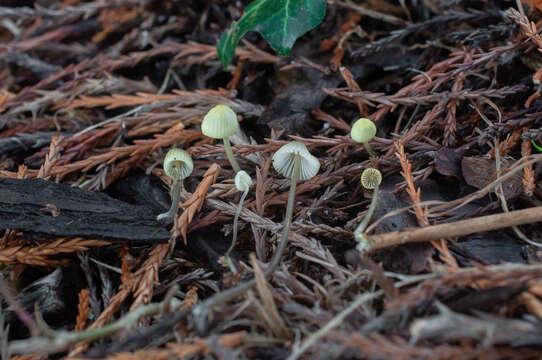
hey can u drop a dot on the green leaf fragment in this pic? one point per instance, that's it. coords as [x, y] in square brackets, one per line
[537, 147]
[280, 22]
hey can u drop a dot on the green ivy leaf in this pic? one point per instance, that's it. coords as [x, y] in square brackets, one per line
[280, 22]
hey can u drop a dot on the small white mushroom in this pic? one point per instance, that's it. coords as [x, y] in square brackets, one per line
[178, 165]
[221, 123]
[363, 131]
[242, 183]
[293, 161]
[285, 158]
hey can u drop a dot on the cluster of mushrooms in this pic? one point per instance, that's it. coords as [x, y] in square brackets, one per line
[292, 160]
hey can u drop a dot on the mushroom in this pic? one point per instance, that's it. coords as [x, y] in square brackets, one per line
[242, 183]
[370, 180]
[178, 165]
[293, 161]
[363, 131]
[221, 123]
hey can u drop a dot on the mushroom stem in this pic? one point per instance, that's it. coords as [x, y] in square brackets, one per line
[369, 149]
[234, 238]
[288, 219]
[358, 233]
[229, 154]
[205, 307]
[175, 193]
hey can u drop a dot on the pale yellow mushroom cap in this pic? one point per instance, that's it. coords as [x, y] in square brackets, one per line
[220, 122]
[371, 178]
[178, 164]
[363, 130]
[283, 161]
[242, 180]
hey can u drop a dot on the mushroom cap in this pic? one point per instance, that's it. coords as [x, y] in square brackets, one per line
[220, 122]
[242, 180]
[371, 178]
[363, 130]
[283, 161]
[178, 164]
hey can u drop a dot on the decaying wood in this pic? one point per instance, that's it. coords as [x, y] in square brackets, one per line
[43, 207]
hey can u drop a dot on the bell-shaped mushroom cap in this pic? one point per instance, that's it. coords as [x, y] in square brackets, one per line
[242, 180]
[220, 122]
[283, 161]
[371, 178]
[363, 130]
[178, 164]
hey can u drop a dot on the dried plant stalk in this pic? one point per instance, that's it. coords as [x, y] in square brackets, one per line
[195, 202]
[145, 278]
[414, 194]
[528, 171]
[51, 158]
[82, 309]
[138, 283]
[39, 255]
[272, 315]
[457, 228]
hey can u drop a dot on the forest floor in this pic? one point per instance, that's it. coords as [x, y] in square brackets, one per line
[94, 93]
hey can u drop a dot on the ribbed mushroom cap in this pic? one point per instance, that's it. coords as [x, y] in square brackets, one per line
[363, 130]
[220, 122]
[371, 178]
[283, 161]
[178, 164]
[242, 180]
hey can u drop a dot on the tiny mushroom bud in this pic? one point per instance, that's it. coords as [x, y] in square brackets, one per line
[363, 131]
[242, 183]
[221, 123]
[294, 161]
[178, 165]
[370, 180]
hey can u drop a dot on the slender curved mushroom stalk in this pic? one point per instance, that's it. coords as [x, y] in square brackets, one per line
[370, 180]
[242, 183]
[293, 161]
[178, 166]
[363, 131]
[221, 123]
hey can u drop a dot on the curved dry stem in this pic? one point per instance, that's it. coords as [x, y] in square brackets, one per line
[231, 157]
[358, 233]
[235, 226]
[369, 149]
[287, 220]
[175, 192]
[201, 311]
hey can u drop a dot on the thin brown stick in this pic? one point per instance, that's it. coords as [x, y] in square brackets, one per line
[195, 202]
[456, 228]
[421, 212]
[82, 310]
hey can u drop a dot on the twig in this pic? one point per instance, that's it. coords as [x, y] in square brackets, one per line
[82, 310]
[61, 340]
[457, 228]
[196, 200]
